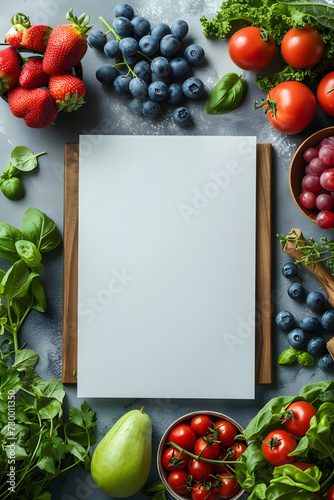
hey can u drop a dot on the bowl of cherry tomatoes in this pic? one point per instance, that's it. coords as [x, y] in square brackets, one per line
[196, 457]
[311, 178]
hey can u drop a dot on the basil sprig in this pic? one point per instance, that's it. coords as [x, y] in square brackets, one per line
[226, 95]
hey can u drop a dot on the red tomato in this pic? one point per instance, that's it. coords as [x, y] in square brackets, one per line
[171, 453]
[292, 107]
[183, 435]
[207, 448]
[324, 95]
[176, 481]
[200, 492]
[251, 48]
[229, 486]
[302, 465]
[226, 432]
[200, 470]
[239, 449]
[302, 48]
[330, 494]
[299, 423]
[201, 424]
[222, 468]
[276, 447]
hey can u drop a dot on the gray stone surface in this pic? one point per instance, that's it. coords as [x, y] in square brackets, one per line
[108, 114]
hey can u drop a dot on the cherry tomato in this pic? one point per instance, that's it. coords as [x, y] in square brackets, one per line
[330, 494]
[324, 95]
[172, 452]
[207, 448]
[251, 48]
[199, 470]
[200, 492]
[226, 432]
[176, 481]
[229, 486]
[201, 424]
[302, 48]
[239, 449]
[276, 447]
[302, 465]
[184, 436]
[299, 423]
[222, 468]
[292, 107]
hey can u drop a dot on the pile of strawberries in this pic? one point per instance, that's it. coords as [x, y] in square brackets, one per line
[42, 85]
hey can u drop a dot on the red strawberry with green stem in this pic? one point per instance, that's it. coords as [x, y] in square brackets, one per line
[10, 67]
[35, 106]
[68, 91]
[67, 45]
[20, 25]
[36, 37]
[32, 74]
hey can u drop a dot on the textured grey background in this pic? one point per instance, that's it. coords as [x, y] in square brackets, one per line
[106, 113]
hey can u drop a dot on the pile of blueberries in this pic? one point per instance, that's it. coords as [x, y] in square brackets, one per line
[309, 334]
[155, 70]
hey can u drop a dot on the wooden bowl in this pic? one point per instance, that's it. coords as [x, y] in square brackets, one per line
[297, 169]
[186, 419]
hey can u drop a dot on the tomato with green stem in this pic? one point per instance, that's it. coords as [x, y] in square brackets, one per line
[207, 447]
[184, 436]
[298, 417]
[203, 491]
[302, 48]
[226, 432]
[200, 470]
[201, 424]
[173, 459]
[252, 48]
[325, 93]
[177, 480]
[277, 446]
[239, 449]
[229, 486]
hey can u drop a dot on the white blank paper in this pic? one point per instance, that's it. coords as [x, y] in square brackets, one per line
[166, 267]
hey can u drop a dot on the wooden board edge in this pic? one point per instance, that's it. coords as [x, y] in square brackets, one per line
[263, 327]
[70, 263]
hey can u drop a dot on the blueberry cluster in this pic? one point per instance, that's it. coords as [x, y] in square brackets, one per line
[150, 64]
[307, 335]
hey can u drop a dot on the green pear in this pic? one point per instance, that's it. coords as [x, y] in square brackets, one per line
[121, 461]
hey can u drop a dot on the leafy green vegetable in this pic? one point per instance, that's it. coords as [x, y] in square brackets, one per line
[155, 490]
[12, 188]
[23, 159]
[290, 355]
[226, 95]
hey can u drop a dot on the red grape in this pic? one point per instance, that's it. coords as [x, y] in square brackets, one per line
[317, 167]
[307, 199]
[328, 141]
[309, 154]
[312, 183]
[324, 202]
[325, 219]
[326, 155]
[327, 179]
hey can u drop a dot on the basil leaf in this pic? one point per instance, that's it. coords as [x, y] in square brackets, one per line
[305, 359]
[12, 188]
[292, 476]
[25, 358]
[9, 235]
[23, 159]
[40, 229]
[28, 252]
[318, 390]
[15, 278]
[226, 95]
[10, 171]
[287, 357]
[39, 294]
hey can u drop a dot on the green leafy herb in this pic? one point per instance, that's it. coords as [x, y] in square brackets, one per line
[23, 159]
[290, 355]
[155, 490]
[226, 95]
[12, 188]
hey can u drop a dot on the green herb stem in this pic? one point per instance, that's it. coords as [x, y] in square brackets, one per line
[199, 457]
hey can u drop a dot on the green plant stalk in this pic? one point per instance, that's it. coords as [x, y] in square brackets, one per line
[199, 457]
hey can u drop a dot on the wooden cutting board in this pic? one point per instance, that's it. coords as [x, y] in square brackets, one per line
[263, 361]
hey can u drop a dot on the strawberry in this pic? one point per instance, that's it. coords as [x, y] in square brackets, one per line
[10, 67]
[32, 74]
[36, 37]
[67, 45]
[20, 25]
[68, 91]
[35, 106]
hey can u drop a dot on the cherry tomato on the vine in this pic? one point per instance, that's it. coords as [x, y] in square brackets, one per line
[277, 446]
[176, 481]
[184, 436]
[299, 423]
[226, 432]
[222, 468]
[201, 424]
[199, 470]
[229, 485]
[251, 48]
[302, 48]
[200, 492]
[330, 494]
[290, 107]
[239, 449]
[170, 453]
[207, 448]
[325, 93]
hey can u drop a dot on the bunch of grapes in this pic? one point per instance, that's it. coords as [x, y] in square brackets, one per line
[150, 65]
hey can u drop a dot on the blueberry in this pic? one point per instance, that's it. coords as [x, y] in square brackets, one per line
[132, 60]
[96, 39]
[106, 73]
[179, 68]
[143, 70]
[169, 45]
[326, 362]
[138, 87]
[160, 66]
[140, 26]
[111, 49]
[151, 109]
[158, 78]
[181, 116]
[121, 85]
[310, 324]
[296, 291]
[158, 91]
[123, 10]
[327, 320]
[316, 301]
[136, 106]
[160, 30]
[194, 54]
[297, 338]
[284, 321]
[179, 29]
[316, 346]
[174, 93]
[122, 26]
[289, 270]
[193, 88]
[149, 45]
[128, 46]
